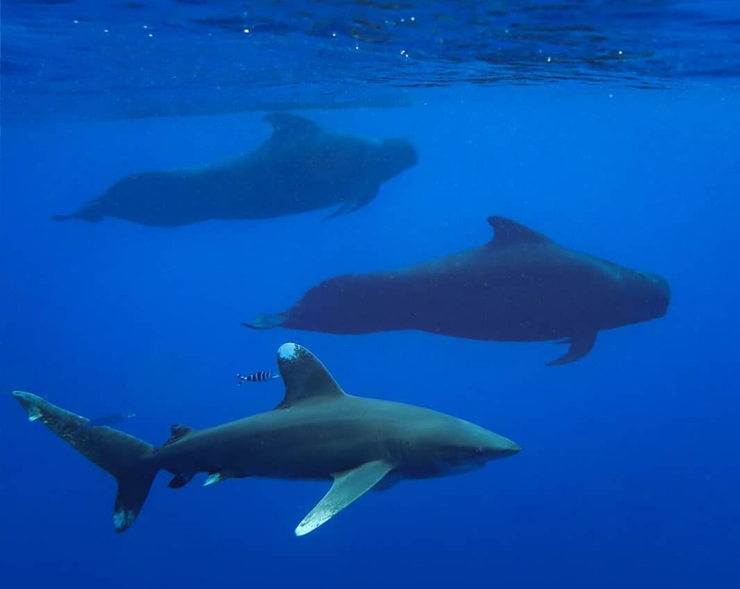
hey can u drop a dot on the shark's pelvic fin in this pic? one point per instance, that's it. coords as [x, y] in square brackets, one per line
[215, 477]
[580, 345]
[306, 378]
[347, 488]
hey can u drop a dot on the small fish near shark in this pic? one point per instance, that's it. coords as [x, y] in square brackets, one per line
[300, 168]
[259, 376]
[317, 432]
[519, 287]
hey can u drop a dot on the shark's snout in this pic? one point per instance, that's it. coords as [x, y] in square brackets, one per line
[500, 447]
[512, 449]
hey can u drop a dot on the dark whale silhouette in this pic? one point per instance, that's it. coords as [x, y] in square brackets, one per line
[519, 287]
[300, 168]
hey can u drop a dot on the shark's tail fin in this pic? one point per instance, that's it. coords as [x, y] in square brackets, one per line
[122, 455]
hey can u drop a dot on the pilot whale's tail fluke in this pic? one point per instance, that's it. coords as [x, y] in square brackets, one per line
[265, 321]
[123, 456]
[91, 213]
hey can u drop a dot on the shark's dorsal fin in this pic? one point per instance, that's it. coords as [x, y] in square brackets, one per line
[178, 432]
[507, 232]
[294, 125]
[306, 378]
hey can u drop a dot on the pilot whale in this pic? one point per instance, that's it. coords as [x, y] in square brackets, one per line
[519, 287]
[317, 432]
[300, 168]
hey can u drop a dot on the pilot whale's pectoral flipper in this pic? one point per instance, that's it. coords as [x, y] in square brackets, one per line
[355, 204]
[348, 487]
[580, 345]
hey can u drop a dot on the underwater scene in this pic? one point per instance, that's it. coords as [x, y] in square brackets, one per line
[369, 293]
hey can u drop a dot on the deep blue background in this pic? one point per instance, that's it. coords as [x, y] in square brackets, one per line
[629, 472]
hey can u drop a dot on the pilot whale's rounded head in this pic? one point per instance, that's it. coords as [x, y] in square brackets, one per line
[395, 156]
[646, 296]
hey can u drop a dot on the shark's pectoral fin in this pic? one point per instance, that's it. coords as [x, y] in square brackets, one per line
[580, 345]
[348, 487]
[388, 481]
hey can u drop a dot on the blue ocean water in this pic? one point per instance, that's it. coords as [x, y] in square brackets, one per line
[629, 471]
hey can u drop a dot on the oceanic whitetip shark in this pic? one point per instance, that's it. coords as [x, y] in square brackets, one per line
[317, 432]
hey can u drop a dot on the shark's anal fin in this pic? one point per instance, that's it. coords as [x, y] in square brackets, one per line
[347, 488]
[180, 480]
[580, 345]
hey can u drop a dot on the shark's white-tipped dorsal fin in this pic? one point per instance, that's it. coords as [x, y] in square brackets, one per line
[508, 232]
[347, 488]
[305, 377]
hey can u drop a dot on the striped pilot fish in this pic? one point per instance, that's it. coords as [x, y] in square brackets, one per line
[261, 376]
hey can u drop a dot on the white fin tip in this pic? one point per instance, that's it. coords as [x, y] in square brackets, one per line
[288, 351]
[212, 479]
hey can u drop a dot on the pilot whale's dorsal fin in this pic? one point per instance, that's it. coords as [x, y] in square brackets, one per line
[508, 232]
[283, 122]
[306, 378]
